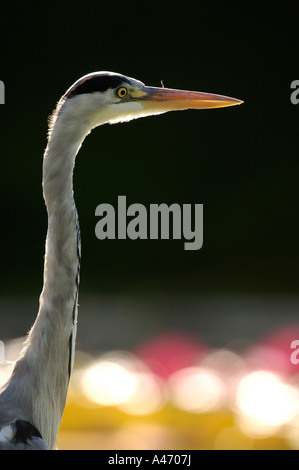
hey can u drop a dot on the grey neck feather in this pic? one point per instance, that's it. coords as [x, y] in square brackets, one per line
[43, 369]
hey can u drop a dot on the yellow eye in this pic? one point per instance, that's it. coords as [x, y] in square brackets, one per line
[121, 92]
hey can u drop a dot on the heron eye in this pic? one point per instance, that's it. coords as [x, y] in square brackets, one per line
[121, 92]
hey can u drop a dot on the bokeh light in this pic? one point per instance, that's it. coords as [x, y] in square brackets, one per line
[148, 397]
[109, 381]
[196, 389]
[213, 398]
[265, 402]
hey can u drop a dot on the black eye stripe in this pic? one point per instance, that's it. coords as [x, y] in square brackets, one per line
[96, 82]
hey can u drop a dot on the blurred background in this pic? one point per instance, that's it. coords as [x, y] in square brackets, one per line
[176, 349]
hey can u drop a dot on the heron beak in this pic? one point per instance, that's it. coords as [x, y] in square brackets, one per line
[167, 99]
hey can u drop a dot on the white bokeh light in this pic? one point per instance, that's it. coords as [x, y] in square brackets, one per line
[196, 389]
[265, 403]
[108, 383]
[149, 395]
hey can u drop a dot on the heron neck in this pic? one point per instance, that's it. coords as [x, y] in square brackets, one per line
[44, 368]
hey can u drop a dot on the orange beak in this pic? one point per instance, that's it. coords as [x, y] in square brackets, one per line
[166, 99]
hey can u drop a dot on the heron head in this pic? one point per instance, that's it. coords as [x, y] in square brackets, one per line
[107, 97]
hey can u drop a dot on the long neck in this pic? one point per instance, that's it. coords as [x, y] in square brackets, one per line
[42, 373]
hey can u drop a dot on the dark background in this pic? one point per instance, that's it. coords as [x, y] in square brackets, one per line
[241, 163]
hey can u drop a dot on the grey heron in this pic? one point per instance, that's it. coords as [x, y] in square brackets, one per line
[33, 399]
